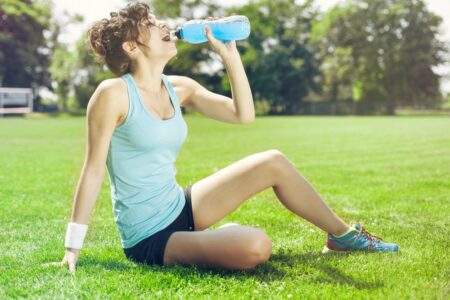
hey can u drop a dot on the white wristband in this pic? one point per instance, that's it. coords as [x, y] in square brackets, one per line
[75, 235]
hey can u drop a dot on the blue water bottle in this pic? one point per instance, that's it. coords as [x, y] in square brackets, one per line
[226, 29]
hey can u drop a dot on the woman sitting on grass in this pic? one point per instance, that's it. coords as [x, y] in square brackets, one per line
[136, 129]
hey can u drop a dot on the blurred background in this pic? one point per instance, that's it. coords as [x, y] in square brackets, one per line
[318, 57]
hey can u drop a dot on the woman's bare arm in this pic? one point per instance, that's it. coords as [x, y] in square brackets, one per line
[103, 111]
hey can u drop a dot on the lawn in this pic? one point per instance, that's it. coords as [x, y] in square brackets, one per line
[390, 173]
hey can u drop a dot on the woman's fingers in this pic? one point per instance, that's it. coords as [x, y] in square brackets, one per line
[211, 38]
[71, 261]
[72, 267]
[208, 35]
[207, 31]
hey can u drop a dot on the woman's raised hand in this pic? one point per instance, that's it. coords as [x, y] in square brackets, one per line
[224, 50]
[70, 258]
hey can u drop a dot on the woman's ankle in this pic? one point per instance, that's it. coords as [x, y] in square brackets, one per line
[342, 231]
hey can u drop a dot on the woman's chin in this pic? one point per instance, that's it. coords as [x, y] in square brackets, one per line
[172, 54]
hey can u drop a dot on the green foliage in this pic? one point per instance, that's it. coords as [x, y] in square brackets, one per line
[191, 58]
[37, 10]
[89, 73]
[393, 46]
[62, 69]
[279, 64]
[357, 89]
[446, 102]
[380, 53]
[24, 55]
[184, 8]
[262, 107]
[64, 62]
[337, 74]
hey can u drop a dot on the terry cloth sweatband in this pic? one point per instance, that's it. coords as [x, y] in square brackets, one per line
[75, 235]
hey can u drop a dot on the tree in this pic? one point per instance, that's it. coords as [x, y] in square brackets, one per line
[89, 73]
[63, 60]
[392, 45]
[192, 59]
[278, 63]
[24, 56]
[62, 69]
[281, 67]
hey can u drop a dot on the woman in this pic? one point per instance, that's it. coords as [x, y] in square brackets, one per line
[136, 129]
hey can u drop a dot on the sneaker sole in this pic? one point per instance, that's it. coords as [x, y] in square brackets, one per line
[326, 250]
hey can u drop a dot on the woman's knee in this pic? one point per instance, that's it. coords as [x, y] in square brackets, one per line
[259, 249]
[276, 161]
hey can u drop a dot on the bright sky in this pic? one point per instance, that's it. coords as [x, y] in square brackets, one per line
[93, 10]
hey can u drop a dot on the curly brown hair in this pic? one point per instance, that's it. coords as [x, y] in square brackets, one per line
[106, 36]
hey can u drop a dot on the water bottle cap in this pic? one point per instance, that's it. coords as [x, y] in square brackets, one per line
[176, 34]
[173, 35]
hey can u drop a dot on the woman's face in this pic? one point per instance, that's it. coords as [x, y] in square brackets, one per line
[156, 38]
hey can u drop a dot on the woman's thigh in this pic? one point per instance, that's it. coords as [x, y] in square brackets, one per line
[217, 195]
[232, 247]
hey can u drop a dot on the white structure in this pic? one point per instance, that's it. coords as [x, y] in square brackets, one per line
[16, 101]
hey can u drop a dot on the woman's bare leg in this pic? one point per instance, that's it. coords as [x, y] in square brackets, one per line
[233, 247]
[217, 195]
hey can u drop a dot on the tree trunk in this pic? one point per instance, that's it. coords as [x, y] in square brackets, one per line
[390, 108]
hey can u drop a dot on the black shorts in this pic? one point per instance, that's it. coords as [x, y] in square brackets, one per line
[150, 250]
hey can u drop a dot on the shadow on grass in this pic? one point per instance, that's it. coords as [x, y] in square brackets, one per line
[324, 264]
[108, 264]
[312, 267]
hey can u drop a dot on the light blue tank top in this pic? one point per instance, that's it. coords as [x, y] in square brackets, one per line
[145, 195]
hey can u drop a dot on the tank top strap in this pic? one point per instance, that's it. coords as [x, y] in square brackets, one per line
[172, 93]
[132, 96]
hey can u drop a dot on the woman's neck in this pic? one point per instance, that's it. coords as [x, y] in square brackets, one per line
[148, 77]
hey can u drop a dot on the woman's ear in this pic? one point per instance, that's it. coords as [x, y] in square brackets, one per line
[129, 47]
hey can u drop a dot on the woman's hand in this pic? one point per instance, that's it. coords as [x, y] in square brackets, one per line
[225, 50]
[70, 258]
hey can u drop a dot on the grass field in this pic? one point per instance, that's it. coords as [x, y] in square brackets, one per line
[390, 173]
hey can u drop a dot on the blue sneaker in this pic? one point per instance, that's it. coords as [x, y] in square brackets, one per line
[357, 240]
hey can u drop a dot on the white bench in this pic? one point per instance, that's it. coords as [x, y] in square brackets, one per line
[16, 100]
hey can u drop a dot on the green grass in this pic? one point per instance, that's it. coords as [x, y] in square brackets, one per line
[390, 173]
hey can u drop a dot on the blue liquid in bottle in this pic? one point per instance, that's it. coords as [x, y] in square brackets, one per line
[226, 29]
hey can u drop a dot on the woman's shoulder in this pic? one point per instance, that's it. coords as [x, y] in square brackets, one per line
[112, 85]
[178, 80]
[111, 95]
[113, 90]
